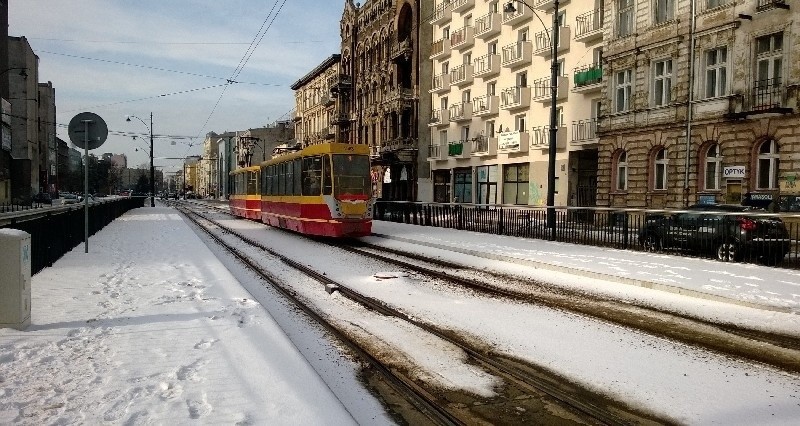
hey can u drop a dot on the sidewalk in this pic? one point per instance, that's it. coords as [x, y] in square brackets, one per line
[151, 327]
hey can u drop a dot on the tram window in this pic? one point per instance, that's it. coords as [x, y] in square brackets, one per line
[273, 181]
[298, 173]
[312, 175]
[252, 183]
[327, 188]
[351, 174]
[281, 179]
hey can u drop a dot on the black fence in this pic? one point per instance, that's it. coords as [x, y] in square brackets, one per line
[57, 230]
[740, 236]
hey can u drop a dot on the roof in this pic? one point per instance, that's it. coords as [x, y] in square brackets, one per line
[333, 59]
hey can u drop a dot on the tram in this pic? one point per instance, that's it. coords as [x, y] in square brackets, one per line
[245, 199]
[321, 190]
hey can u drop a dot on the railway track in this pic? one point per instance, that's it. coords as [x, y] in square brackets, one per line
[751, 345]
[526, 389]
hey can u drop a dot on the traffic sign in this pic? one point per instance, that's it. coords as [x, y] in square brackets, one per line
[87, 130]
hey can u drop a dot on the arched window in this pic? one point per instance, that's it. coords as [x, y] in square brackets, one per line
[660, 170]
[768, 161]
[713, 168]
[621, 170]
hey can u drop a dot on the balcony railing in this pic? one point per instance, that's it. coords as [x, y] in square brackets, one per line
[515, 97]
[584, 130]
[439, 117]
[767, 94]
[487, 25]
[462, 38]
[486, 65]
[544, 46]
[461, 74]
[440, 48]
[588, 75]
[589, 25]
[462, 5]
[771, 4]
[518, 53]
[484, 105]
[440, 83]
[461, 111]
[442, 12]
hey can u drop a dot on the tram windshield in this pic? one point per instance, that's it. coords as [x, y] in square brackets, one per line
[351, 175]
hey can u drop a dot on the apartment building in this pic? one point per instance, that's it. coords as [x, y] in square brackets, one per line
[722, 72]
[492, 94]
[382, 91]
[315, 105]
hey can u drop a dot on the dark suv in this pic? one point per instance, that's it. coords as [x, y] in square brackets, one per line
[729, 232]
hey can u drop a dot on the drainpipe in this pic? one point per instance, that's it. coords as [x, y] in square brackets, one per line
[689, 105]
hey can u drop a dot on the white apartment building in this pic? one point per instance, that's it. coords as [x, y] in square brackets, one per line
[491, 99]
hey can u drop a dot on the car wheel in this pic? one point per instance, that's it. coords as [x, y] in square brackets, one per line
[727, 252]
[652, 243]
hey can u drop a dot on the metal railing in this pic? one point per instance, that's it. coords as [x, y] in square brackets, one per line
[602, 227]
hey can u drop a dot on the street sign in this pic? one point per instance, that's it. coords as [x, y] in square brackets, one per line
[87, 130]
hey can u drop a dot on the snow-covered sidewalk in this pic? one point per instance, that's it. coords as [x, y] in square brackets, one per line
[149, 326]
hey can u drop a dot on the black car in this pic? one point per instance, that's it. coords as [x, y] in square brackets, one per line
[43, 198]
[729, 232]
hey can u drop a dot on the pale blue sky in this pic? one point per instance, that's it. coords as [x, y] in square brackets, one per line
[117, 58]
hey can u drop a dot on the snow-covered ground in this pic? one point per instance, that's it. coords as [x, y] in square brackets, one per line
[152, 326]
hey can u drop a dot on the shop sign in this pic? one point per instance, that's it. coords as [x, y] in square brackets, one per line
[508, 141]
[733, 172]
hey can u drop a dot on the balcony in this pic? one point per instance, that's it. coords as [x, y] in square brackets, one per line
[482, 147]
[440, 48]
[442, 13]
[440, 83]
[517, 54]
[462, 5]
[339, 84]
[487, 26]
[514, 98]
[542, 89]
[766, 97]
[540, 137]
[340, 119]
[461, 75]
[485, 105]
[584, 131]
[461, 112]
[459, 149]
[543, 46]
[328, 100]
[462, 38]
[763, 5]
[547, 5]
[588, 78]
[439, 117]
[486, 66]
[589, 26]
[513, 142]
[436, 152]
[521, 14]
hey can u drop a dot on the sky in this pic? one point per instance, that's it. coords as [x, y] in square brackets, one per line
[165, 327]
[173, 59]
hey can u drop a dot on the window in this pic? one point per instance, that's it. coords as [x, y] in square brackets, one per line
[624, 17]
[519, 123]
[769, 58]
[441, 186]
[622, 171]
[662, 82]
[491, 88]
[490, 129]
[713, 165]
[710, 4]
[515, 184]
[768, 161]
[487, 184]
[660, 170]
[462, 185]
[716, 72]
[624, 86]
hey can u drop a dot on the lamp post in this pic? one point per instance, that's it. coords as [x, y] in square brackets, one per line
[551, 157]
[152, 169]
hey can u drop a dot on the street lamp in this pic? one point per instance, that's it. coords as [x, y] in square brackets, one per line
[551, 158]
[152, 169]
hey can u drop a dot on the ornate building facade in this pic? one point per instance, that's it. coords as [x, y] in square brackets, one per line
[721, 72]
[382, 91]
[314, 105]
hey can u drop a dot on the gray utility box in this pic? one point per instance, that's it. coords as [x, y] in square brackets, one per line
[15, 279]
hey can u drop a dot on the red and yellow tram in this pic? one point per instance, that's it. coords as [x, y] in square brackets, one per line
[322, 190]
[245, 200]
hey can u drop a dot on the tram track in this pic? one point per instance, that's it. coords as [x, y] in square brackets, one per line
[776, 350]
[521, 377]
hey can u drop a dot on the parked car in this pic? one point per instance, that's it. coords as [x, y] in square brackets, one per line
[69, 199]
[43, 198]
[727, 231]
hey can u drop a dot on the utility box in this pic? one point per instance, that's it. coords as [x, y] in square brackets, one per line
[15, 279]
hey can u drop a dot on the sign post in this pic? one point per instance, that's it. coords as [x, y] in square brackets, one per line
[87, 130]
